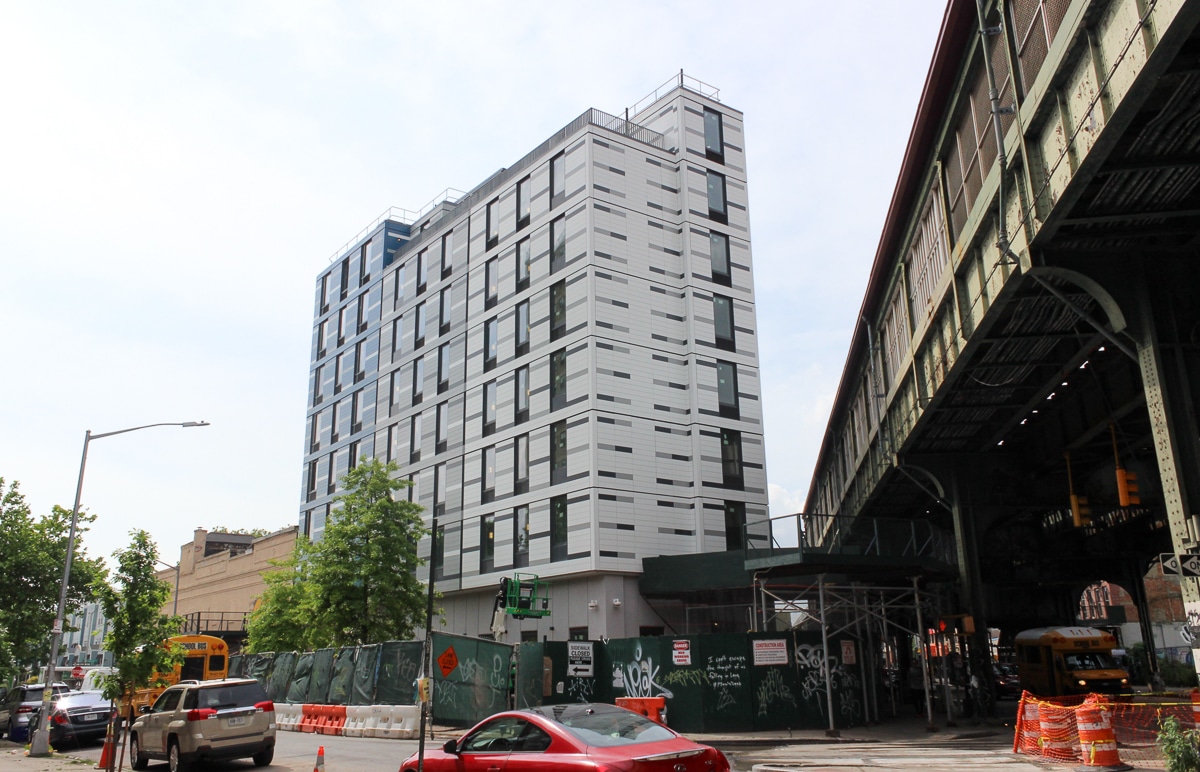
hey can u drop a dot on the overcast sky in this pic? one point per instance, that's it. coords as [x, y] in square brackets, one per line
[173, 176]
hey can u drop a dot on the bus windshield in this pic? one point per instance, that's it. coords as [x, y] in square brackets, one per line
[1090, 660]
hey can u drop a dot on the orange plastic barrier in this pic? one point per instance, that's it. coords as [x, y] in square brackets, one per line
[653, 708]
[335, 719]
[1096, 738]
[309, 718]
[1027, 738]
[1196, 708]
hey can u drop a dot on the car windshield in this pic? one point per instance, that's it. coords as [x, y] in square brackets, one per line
[242, 695]
[81, 699]
[617, 727]
[1092, 660]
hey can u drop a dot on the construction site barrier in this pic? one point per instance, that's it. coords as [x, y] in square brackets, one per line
[335, 720]
[356, 718]
[379, 717]
[1101, 731]
[653, 708]
[403, 723]
[287, 717]
[309, 718]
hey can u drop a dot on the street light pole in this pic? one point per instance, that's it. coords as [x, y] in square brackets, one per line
[40, 741]
[175, 606]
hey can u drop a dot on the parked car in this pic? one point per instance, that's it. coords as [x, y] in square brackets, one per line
[18, 708]
[78, 717]
[1006, 680]
[196, 721]
[594, 737]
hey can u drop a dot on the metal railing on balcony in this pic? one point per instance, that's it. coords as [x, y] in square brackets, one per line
[810, 536]
[209, 622]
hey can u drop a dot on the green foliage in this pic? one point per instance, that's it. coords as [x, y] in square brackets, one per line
[257, 533]
[283, 618]
[358, 584]
[1176, 673]
[33, 552]
[1180, 747]
[137, 626]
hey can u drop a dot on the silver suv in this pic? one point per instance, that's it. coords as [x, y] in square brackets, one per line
[202, 720]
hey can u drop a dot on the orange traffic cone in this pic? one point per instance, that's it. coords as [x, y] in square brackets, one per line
[106, 754]
[320, 765]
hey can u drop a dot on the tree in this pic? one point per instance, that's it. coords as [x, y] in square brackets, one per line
[283, 618]
[364, 571]
[257, 533]
[137, 626]
[33, 552]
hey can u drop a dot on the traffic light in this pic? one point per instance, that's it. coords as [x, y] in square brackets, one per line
[1081, 513]
[1127, 488]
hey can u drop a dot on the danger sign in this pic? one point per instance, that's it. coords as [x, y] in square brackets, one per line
[681, 652]
[448, 661]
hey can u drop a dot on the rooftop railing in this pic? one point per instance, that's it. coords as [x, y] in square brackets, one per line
[678, 81]
[823, 535]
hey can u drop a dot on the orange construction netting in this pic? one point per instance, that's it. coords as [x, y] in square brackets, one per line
[1049, 727]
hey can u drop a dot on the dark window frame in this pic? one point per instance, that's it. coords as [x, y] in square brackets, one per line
[524, 264]
[725, 342]
[558, 380]
[733, 474]
[489, 408]
[559, 525]
[492, 225]
[711, 136]
[718, 211]
[558, 179]
[558, 452]
[728, 409]
[524, 202]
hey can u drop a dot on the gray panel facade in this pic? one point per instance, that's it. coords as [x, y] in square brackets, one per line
[571, 393]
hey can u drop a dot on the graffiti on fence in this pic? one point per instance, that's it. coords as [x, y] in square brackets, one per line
[691, 677]
[580, 689]
[773, 690]
[639, 677]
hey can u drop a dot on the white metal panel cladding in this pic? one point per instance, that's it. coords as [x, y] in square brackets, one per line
[643, 469]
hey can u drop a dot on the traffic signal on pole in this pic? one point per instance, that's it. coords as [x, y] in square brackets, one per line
[1127, 488]
[1081, 513]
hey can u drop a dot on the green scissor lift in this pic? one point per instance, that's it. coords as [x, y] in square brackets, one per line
[525, 596]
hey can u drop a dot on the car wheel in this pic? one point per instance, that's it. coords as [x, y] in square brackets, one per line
[136, 759]
[174, 759]
[263, 757]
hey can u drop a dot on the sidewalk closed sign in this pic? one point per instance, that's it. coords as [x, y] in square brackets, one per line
[770, 652]
[579, 659]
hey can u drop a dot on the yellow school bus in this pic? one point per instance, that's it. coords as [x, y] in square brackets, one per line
[1054, 661]
[206, 657]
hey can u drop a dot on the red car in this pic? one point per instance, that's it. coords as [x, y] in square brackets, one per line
[550, 738]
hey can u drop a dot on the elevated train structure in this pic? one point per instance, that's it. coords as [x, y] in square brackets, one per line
[1025, 375]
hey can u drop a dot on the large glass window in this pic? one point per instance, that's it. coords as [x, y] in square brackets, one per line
[487, 543]
[444, 316]
[558, 379]
[558, 528]
[493, 223]
[447, 253]
[558, 452]
[422, 270]
[714, 144]
[418, 380]
[521, 536]
[523, 203]
[522, 337]
[558, 310]
[439, 552]
[398, 285]
[488, 473]
[397, 334]
[718, 250]
[491, 344]
[489, 408]
[443, 427]
[322, 336]
[414, 439]
[521, 412]
[324, 293]
[735, 525]
[723, 322]
[716, 197]
[419, 325]
[520, 464]
[491, 282]
[727, 390]
[558, 179]
[558, 244]
[731, 459]
[439, 489]
[443, 367]
[524, 258]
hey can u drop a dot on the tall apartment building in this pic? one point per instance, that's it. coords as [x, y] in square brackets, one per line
[563, 361]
